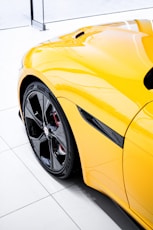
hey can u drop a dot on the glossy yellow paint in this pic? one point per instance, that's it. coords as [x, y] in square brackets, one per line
[101, 159]
[113, 58]
[102, 72]
[138, 164]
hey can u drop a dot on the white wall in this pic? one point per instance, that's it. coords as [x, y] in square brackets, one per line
[15, 13]
[66, 9]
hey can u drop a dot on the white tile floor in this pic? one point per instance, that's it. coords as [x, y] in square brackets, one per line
[29, 197]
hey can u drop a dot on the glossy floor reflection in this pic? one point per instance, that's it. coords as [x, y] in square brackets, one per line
[29, 197]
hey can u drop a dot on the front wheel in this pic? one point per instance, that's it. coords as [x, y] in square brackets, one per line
[48, 130]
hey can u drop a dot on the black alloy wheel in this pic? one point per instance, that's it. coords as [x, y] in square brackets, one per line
[48, 130]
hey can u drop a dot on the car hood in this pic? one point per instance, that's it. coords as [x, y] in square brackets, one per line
[119, 53]
[105, 65]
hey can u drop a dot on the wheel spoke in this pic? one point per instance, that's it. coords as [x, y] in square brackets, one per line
[50, 153]
[32, 113]
[45, 105]
[55, 162]
[39, 143]
[59, 134]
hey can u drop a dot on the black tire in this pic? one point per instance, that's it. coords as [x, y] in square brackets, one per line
[48, 131]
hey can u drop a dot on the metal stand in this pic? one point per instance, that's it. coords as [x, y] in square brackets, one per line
[37, 14]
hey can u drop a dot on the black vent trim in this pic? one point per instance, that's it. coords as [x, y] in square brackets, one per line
[103, 128]
[148, 80]
[79, 34]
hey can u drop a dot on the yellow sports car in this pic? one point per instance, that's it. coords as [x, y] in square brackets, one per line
[87, 100]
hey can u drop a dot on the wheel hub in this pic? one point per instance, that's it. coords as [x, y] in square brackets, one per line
[46, 131]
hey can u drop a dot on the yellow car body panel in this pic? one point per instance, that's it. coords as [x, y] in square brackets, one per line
[101, 70]
[138, 160]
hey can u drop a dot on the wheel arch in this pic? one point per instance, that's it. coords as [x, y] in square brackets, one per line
[22, 88]
[25, 82]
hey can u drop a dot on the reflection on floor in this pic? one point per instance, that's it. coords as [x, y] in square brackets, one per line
[29, 197]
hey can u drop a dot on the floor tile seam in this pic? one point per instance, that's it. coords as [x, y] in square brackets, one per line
[62, 189]
[5, 150]
[25, 206]
[8, 108]
[15, 27]
[36, 178]
[70, 217]
[66, 187]
[49, 194]
[19, 145]
[9, 147]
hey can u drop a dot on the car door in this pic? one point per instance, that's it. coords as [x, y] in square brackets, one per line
[138, 164]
